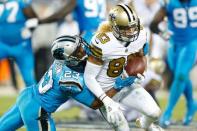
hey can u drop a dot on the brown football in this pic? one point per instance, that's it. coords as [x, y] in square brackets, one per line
[135, 65]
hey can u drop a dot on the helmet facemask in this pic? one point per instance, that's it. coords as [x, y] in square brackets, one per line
[127, 33]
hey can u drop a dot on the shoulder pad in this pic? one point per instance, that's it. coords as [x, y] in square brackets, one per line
[96, 51]
[102, 38]
[97, 43]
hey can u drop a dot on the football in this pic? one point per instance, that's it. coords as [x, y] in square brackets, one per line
[135, 65]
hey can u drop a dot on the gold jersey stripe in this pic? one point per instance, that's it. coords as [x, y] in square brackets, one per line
[96, 51]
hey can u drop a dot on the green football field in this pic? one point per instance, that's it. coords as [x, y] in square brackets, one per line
[73, 113]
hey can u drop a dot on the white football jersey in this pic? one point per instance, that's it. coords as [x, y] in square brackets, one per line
[114, 53]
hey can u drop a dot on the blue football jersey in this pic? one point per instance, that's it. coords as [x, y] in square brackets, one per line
[12, 20]
[58, 85]
[182, 19]
[89, 13]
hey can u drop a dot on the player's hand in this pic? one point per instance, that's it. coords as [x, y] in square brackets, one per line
[31, 24]
[139, 79]
[114, 110]
[29, 27]
[124, 82]
[166, 34]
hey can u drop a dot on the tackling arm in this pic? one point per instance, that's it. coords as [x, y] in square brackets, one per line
[61, 13]
[92, 69]
[157, 19]
[29, 12]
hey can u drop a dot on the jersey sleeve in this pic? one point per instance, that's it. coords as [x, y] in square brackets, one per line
[95, 48]
[71, 81]
[146, 48]
[25, 3]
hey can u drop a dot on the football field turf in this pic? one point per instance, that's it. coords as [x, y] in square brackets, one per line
[67, 120]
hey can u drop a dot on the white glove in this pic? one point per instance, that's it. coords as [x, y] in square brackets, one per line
[166, 34]
[31, 23]
[114, 110]
[140, 78]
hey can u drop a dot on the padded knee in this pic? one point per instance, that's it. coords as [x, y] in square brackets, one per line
[155, 113]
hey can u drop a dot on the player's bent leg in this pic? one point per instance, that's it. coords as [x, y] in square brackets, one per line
[188, 92]
[144, 103]
[191, 104]
[11, 120]
[4, 50]
[35, 118]
[41, 121]
[177, 87]
[122, 125]
[25, 62]
[181, 76]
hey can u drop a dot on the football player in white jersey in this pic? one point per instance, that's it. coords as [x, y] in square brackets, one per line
[115, 41]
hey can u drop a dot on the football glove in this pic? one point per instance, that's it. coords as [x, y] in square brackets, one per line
[124, 82]
[139, 79]
[114, 110]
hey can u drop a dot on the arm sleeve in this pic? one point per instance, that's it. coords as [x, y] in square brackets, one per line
[146, 49]
[90, 74]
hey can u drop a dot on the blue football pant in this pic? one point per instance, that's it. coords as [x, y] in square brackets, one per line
[181, 59]
[87, 35]
[23, 56]
[28, 112]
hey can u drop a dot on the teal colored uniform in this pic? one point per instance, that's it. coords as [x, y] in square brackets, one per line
[89, 14]
[13, 42]
[181, 55]
[36, 103]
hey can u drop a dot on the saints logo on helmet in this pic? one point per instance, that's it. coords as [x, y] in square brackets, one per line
[125, 23]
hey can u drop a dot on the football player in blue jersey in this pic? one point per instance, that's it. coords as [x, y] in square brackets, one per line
[182, 22]
[15, 37]
[62, 81]
[88, 13]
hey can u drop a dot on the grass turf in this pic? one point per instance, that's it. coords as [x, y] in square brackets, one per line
[7, 101]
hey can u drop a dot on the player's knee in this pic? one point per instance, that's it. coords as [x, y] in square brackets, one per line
[182, 76]
[29, 82]
[155, 114]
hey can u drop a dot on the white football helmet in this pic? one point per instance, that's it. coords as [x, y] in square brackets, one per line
[125, 23]
[68, 48]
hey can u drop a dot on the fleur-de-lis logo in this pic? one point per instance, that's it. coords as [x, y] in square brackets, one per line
[112, 16]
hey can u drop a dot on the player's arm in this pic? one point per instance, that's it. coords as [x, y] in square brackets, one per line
[98, 103]
[68, 7]
[159, 16]
[92, 69]
[29, 12]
